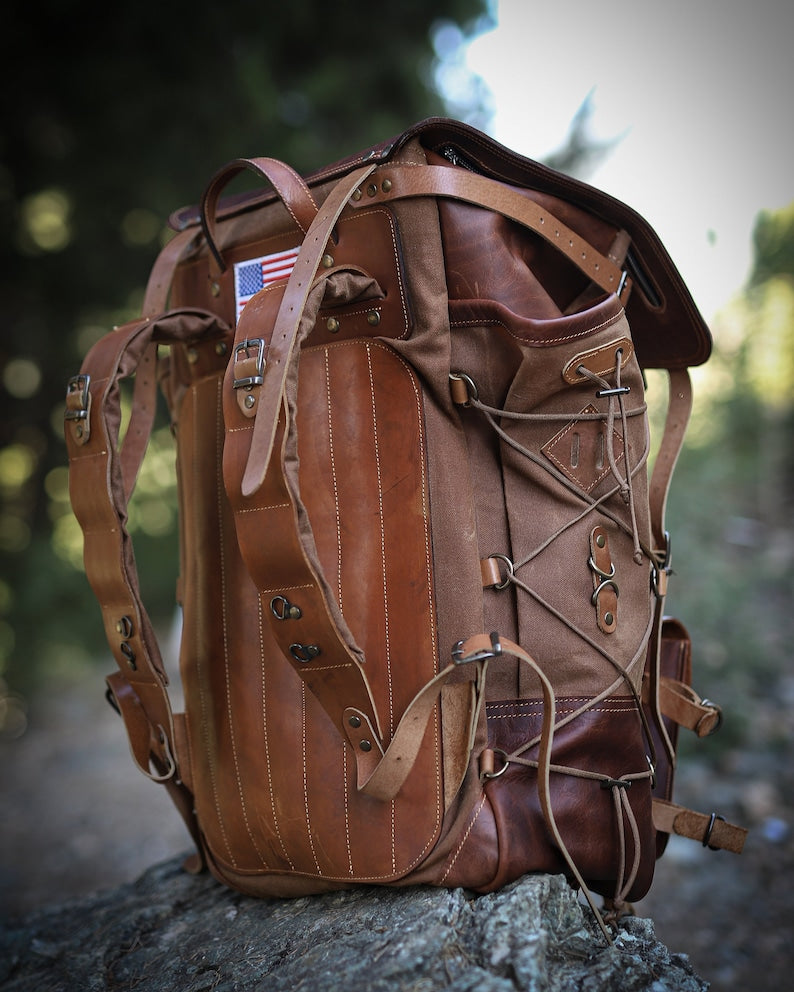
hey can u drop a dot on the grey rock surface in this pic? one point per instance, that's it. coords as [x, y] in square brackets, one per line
[176, 932]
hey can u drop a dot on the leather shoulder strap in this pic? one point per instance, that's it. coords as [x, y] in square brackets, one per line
[100, 482]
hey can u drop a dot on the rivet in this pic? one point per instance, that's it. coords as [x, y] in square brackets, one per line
[355, 721]
[372, 189]
[373, 318]
[357, 195]
[249, 401]
[601, 541]
[221, 347]
[365, 745]
[215, 288]
[609, 619]
[328, 261]
[332, 324]
[386, 185]
[192, 356]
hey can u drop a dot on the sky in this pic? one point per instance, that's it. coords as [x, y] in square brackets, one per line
[699, 92]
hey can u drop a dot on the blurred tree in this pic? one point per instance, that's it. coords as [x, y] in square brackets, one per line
[731, 509]
[113, 116]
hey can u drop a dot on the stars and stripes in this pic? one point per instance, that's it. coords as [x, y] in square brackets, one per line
[255, 273]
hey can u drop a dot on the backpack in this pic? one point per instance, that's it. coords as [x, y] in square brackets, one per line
[423, 564]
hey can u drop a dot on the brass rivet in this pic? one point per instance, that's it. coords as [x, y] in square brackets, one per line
[192, 356]
[355, 721]
[372, 189]
[215, 288]
[365, 745]
[357, 195]
[609, 619]
[373, 318]
[601, 541]
[249, 401]
[332, 324]
[328, 261]
[386, 185]
[221, 347]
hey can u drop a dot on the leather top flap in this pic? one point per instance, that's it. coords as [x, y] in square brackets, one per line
[668, 330]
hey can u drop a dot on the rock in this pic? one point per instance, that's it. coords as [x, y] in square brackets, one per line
[176, 932]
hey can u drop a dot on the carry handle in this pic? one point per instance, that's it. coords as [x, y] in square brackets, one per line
[290, 186]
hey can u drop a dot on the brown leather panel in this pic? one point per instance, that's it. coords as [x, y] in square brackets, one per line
[259, 706]
[606, 739]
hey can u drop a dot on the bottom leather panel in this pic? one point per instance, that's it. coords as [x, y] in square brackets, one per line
[508, 831]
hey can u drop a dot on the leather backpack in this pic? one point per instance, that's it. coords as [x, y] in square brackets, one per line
[423, 559]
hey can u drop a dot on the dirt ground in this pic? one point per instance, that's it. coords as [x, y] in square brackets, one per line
[76, 816]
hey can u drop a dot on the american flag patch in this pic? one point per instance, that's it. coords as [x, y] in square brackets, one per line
[256, 273]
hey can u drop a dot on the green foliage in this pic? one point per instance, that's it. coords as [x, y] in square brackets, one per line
[114, 116]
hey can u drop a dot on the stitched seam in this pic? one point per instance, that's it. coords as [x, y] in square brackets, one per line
[266, 739]
[256, 509]
[382, 541]
[202, 695]
[306, 778]
[474, 819]
[334, 482]
[347, 810]
[219, 494]
[546, 341]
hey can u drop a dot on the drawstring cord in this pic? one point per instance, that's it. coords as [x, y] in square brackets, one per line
[616, 408]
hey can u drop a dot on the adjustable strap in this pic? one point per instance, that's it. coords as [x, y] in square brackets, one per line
[99, 488]
[396, 182]
[681, 704]
[282, 344]
[679, 409]
[711, 830]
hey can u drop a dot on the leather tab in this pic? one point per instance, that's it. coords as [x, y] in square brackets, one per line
[605, 588]
[711, 830]
[599, 361]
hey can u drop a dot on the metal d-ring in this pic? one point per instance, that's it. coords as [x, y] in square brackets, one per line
[600, 588]
[469, 383]
[505, 764]
[511, 571]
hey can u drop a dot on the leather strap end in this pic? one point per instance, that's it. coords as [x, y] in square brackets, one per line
[711, 830]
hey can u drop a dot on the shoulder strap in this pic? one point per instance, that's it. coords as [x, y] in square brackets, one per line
[101, 478]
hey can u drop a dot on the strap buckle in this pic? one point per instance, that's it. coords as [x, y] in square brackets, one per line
[242, 353]
[484, 655]
[77, 397]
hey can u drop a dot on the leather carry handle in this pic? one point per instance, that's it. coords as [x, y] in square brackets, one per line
[290, 186]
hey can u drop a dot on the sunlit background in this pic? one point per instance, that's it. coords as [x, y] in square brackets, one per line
[682, 110]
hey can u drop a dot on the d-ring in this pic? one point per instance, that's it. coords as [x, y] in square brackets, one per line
[505, 764]
[510, 568]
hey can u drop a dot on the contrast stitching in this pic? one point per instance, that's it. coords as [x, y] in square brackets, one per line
[219, 434]
[334, 482]
[474, 819]
[266, 739]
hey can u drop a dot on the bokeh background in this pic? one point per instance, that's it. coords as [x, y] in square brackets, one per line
[114, 116]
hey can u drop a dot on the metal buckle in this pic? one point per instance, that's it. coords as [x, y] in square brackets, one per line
[78, 383]
[460, 659]
[710, 829]
[246, 382]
